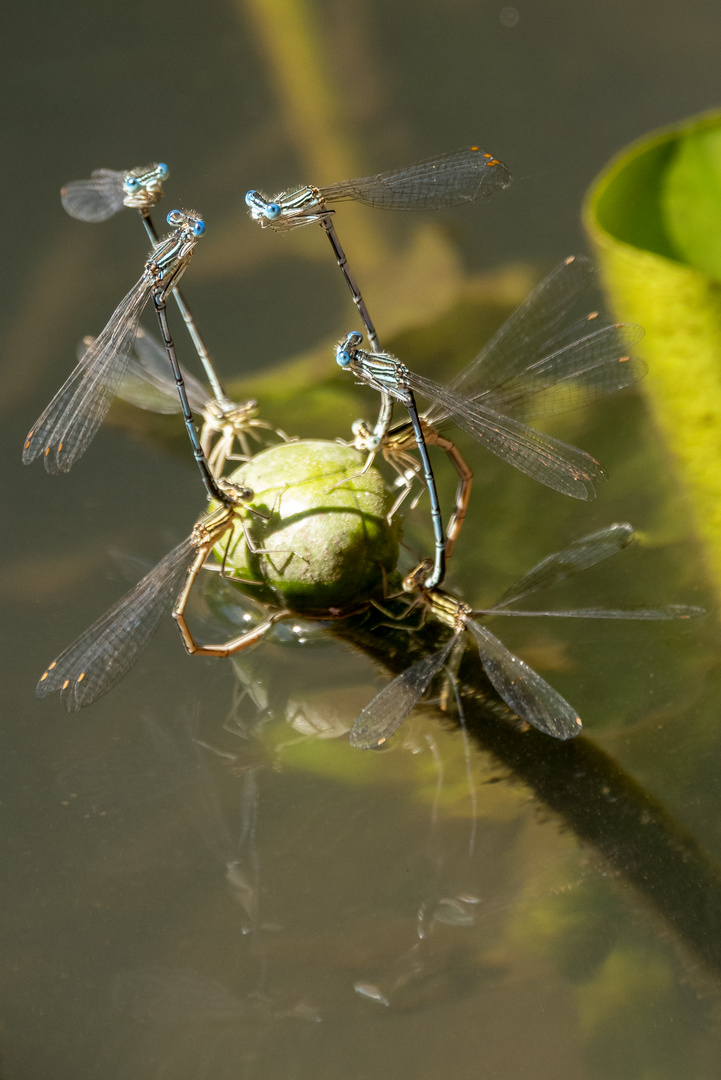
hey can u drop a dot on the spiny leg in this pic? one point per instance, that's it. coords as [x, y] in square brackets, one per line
[356, 476]
[243, 641]
[463, 492]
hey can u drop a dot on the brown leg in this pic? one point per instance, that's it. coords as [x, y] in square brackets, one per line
[463, 492]
[230, 647]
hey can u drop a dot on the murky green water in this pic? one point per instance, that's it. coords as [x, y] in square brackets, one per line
[202, 878]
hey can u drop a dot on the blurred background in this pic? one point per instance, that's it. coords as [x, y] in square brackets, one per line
[252, 910]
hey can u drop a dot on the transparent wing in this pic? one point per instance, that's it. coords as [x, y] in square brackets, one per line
[552, 354]
[662, 614]
[594, 365]
[101, 656]
[148, 382]
[96, 199]
[552, 462]
[461, 176]
[388, 709]
[523, 689]
[67, 426]
[579, 555]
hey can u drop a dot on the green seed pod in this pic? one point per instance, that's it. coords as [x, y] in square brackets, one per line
[328, 543]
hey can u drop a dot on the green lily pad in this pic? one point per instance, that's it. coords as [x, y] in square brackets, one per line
[646, 215]
[691, 199]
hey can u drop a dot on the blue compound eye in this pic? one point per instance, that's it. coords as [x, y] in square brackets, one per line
[272, 211]
[132, 184]
[198, 228]
[342, 358]
[174, 217]
[249, 198]
[162, 170]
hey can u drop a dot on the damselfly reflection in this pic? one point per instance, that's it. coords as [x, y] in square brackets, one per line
[523, 690]
[461, 176]
[100, 657]
[67, 426]
[107, 192]
[552, 355]
[226, 431]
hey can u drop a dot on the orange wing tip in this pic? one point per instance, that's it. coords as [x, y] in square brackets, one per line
[569, 260]
[44, 677]
[81, 676]
[579, 722]
[66, 684]
[492, 161]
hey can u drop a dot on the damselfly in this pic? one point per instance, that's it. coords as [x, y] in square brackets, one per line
[104, 654]
[387, 375]
[148, 384]
[552, 355]
[67, 426]
[107, 192]
[521, 688]
[461, 176]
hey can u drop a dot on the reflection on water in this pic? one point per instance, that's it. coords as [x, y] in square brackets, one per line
[457, 898]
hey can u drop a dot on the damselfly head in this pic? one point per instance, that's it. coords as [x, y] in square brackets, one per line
[144, 185]
[236, 492]
[364, 437]
[414, 581]
[346, 349]
[189, 220]
[260, 207]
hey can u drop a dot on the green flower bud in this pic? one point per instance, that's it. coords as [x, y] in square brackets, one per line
[327, 543]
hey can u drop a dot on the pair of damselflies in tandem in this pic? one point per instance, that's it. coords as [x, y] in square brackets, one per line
[108, 191]
[101, 656]
[463, 176]
[225, 422]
